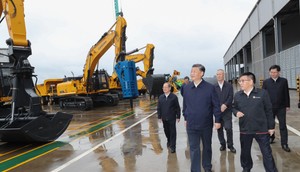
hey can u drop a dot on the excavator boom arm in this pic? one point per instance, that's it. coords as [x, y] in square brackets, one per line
[96, 52]
[14, 14]
[147, 59]
[112, 37]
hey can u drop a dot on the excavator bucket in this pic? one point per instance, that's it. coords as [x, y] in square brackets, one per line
[154, 84]
[44, 128]
[23, 119]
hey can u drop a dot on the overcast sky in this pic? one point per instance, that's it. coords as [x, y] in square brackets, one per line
[184, 32]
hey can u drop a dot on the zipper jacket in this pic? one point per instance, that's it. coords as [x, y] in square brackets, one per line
[257, 109]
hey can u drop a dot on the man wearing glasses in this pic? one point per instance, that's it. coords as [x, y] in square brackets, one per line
[254, 109]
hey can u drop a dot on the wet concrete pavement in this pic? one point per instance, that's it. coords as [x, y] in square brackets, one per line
[120, 139]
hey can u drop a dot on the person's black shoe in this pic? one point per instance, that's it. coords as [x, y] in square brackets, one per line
[244, 170]
[207, 170]
[232, 149]
[168, 144]
[222, 148]
[172, 150]
[286, 148]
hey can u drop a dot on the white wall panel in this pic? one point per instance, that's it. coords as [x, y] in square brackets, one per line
[253, 20]
[238, 41]
[265, 12]
[278, 5]
[245, 32]
[262, 13]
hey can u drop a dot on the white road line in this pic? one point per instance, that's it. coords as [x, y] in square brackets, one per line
[97, 146]
[290, 128]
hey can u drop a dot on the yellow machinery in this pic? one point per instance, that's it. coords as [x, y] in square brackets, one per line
[21, 116]
[93, 86]
[47, 90]
[172, 80]
[146, 58]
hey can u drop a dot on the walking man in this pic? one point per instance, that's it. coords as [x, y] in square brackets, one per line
[225, 94]
[168, 111]
[278, 90]
[200, 104]
[254, 109]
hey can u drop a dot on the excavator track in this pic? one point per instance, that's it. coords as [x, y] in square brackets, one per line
[77, 102]
[109, 99]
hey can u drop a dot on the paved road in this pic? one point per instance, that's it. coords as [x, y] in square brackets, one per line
[120, 139]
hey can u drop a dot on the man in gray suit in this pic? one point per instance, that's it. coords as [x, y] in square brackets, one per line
[225, 94]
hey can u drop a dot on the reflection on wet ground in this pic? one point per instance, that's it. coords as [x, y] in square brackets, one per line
[105, 139]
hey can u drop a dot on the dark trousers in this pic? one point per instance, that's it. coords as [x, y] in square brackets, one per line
[265, 148]
[226, 123]
[280, 113]
[194, 137]
[170, 132]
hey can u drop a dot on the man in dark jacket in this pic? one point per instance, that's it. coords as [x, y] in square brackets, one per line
[254, 109]
[200, 104]
[168, 111]
[278, 90]
[225, 94]
[186, 81]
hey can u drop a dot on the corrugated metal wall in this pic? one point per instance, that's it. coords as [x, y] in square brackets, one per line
[289, 61]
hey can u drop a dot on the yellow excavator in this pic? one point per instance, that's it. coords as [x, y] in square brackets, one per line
[21, 116]
[93, 87]
[48, 90]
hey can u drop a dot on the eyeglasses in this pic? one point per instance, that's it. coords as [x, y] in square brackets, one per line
[243, 80]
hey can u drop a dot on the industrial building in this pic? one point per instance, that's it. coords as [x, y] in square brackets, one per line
[270, 35]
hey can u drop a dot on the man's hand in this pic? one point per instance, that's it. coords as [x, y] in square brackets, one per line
[239, 114]
[223, 107]
[271, 131]
[159, 120]
[185, 123]
[217, 125]
[177, 120]
[287, 108]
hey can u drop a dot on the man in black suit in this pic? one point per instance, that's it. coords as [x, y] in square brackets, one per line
[168, 111]
[278, 90]
[225, 94]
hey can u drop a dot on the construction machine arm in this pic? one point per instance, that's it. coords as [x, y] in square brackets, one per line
[112, 37]
[24, 120]
[13, 11]
[147, 59]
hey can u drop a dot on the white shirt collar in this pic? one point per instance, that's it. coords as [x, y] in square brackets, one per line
[248, 93]
[196, 85]
[221, 84]
[275, 79]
